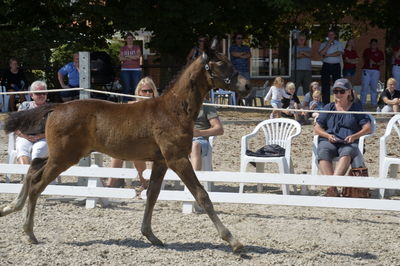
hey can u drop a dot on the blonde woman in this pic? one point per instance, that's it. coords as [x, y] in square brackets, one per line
[147, 88]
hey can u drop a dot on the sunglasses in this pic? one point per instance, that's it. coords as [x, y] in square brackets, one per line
[342, 91]
[40, 93]
[201, 40]
[147, 91]
[239, 38]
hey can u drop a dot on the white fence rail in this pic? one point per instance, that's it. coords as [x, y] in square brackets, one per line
[94, 189]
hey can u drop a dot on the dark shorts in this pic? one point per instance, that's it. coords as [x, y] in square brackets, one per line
[328, 151]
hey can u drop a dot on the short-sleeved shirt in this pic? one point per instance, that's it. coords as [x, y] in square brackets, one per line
[335, 47]
[130, 51]
[350, 54]
[27, 105]
[307, 99]
[203, 119]
[240, 64]
[17, 79]
[376, 55]
[289, 100]
[302, 63]
[318, 105]
[72, 73]
[387, 94]
[342, 125]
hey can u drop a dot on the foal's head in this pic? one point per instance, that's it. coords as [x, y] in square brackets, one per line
[222, 73]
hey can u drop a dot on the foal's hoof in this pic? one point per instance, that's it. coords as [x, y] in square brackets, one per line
[32, 240]
[237, 247]
[156, 241]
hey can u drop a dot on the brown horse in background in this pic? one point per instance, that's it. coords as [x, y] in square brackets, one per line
[158, 130]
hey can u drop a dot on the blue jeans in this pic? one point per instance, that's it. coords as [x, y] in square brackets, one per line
[129, 81]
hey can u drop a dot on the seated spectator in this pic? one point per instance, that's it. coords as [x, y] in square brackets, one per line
[390, 97]
[308, 96]
[14, 80]
[70, 70]
[145, 87]
[291, 101]
[339, 133]
[30, 147]
[206, 125]
[316, 103]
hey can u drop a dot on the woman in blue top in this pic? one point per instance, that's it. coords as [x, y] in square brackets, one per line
[339, 133]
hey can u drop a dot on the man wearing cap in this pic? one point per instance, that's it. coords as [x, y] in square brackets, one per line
[339, 132]
[30, 147]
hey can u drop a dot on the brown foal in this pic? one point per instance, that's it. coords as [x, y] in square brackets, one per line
[158, 130]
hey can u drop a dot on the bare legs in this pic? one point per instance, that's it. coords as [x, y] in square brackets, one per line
[327, 169]
[117, 163]
[195, 156]
[24, 160]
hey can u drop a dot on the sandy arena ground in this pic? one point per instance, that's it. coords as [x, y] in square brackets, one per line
[69, 234]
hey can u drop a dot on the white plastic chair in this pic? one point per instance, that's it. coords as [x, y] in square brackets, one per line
[361, 141]
[386, 163]
[278, 131]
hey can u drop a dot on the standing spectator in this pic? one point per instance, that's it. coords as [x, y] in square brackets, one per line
[14, 80]
[396, 65]
[130, 56]
[391, 97]
[373, 59]
[145, 87]
[302, 69]
[71, 70]
[331, 51]
[196, 50]
[350, 60]
[207, 124]
[240, 56]
[30, 147]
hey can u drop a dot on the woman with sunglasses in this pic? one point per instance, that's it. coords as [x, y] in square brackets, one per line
[339, 133]
[196, 50]
[30, 147]
[145, 88]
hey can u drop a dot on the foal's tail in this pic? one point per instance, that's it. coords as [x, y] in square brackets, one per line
[31, 121]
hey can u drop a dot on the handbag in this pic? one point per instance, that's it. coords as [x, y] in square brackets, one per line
[353, 192]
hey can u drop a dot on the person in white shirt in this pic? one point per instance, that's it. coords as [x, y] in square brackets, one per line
[331, 52]
[276, 93]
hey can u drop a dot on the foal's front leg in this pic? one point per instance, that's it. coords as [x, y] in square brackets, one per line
[157, 176]
[184, 169]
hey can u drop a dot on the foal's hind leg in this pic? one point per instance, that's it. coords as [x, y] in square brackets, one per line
[185, 171]
[18, 203]
[47, 174]
[157, 176]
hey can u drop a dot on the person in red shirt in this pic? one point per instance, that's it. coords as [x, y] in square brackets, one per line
[396, 66]
[373, 59]
[130, 56]
[350, 60]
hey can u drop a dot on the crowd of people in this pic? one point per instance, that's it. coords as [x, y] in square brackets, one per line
[336, 139]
